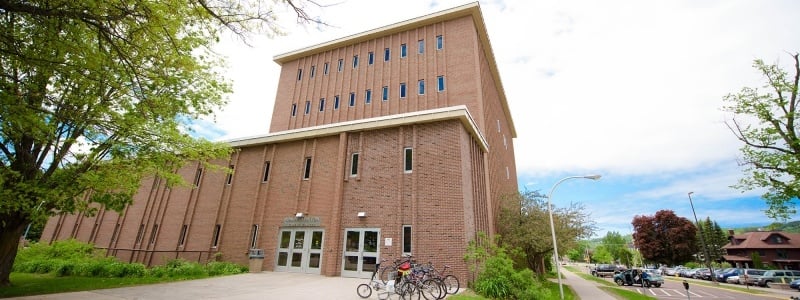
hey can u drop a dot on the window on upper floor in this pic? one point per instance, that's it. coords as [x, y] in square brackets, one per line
[408, 159]
[215, 239]
[254, 237]
[403, 50]
[440, 83]
[265, 176]
[336, 102]
[325, 69]
[308, 107]
[421, 87]
[294, 109]
[370, 58]
[313, 71]
[322, 104]
[197, 176]
[439, 42]
[402, 90]
[387, 54]
[299, 74]
[182, 236]
[341, 65]
[407, 240]
[229, 178]
[368, 96]
[385, 93]
[352, 99]
[355, 61]
[420, 46]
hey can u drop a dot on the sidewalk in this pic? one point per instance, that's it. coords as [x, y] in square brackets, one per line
[584, 289]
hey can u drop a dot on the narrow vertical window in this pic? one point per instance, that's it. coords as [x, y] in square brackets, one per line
[439, 42]
[421, 85]
[153, 234]
[354, 165]
[197, 176]
[229, 179]
[355, 61]
[368, 96]
[336, 102]
[294, 109]
[308, 107]
[407, 239]
[325, 69]
[341, 64]
[140, 235]
[371, 57]
[266, 172]
[307, 169]
[408, 162]
[508, 173]
[387, 54]
[498, 125]
[385, 93]
[182, 237]
[403, 50]
[215, 241]
[254, 237]
[440, 83]
[313, 71]
[299, 74]
[321, 104]
[421, 46]
[505, 143]
[352, 99]
[402, 90]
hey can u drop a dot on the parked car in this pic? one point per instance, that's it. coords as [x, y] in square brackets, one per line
[795, 284]
[676, 271]
[750, 276]
[698, 273]
[603, 270]
[777, 276]
[723, 275]
[688, 273]
[645, 277]
[733, 279]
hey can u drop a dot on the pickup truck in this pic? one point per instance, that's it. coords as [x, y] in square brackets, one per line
[604, 270]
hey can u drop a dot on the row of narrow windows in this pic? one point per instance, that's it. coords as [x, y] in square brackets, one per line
[387, 56]
[385, 95]
[408, 164]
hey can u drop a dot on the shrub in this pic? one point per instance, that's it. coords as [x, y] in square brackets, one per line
[224, 268]
[499, 280]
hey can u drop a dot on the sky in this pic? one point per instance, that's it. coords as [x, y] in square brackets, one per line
[630, 90]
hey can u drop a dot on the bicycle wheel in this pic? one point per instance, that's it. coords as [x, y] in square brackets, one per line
[431, 289]
[387, 273]
[451, 284]
[364, 290]
[406, 291]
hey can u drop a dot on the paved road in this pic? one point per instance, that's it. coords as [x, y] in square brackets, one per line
[673, 289]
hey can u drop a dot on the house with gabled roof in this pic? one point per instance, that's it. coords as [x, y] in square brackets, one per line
[777, 249]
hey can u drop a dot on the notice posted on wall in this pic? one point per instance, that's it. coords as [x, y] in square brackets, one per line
[387, 241]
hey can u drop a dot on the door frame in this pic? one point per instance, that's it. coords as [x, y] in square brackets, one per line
[306, 251]
[360, 254]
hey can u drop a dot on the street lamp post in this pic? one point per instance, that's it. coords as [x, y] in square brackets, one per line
[702, 240]
[25, 236]
[553, 228]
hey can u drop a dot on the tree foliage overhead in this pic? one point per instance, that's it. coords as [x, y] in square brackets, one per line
[524, 223]
[97, 94]
[665, 237]
[765, 121]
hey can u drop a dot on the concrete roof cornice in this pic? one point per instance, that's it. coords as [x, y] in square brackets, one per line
[418, 117]
[471, 9]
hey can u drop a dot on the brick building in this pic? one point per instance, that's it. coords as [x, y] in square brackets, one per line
[391, 141]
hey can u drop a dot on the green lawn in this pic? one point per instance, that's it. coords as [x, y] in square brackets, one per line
[26, 284]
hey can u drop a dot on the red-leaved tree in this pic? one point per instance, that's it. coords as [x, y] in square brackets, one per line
[665, 237]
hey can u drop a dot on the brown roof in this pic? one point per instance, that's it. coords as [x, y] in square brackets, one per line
[762, 240]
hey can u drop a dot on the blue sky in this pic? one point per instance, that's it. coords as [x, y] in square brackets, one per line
[631, 90]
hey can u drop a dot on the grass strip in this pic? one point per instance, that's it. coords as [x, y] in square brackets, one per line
[28, 284]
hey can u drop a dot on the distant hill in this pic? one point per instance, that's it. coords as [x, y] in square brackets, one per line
[792, 227]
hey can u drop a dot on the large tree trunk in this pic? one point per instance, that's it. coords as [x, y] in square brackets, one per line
[9, 243]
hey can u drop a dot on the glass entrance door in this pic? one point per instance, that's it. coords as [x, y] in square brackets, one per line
[361, 252]
[300, 250]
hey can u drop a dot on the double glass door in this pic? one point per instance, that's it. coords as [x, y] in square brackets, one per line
[361, 252]
[300, 250]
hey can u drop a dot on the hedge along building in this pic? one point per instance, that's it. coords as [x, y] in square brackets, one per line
[393, 141]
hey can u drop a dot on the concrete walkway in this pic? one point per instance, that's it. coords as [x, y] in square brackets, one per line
[585, 289]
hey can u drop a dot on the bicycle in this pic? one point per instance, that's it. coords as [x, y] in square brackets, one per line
[402, 288]
[397, 268]
[430, 288]
[450, 281]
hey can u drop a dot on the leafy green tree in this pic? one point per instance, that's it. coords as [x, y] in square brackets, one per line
[580, 252]
[615, 244]
[756, 260]
[95, 95]
[602, 255]
[665, 238]
[771, 150]
[524, 223]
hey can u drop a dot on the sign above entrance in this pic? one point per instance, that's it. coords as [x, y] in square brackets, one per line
[301, 222]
